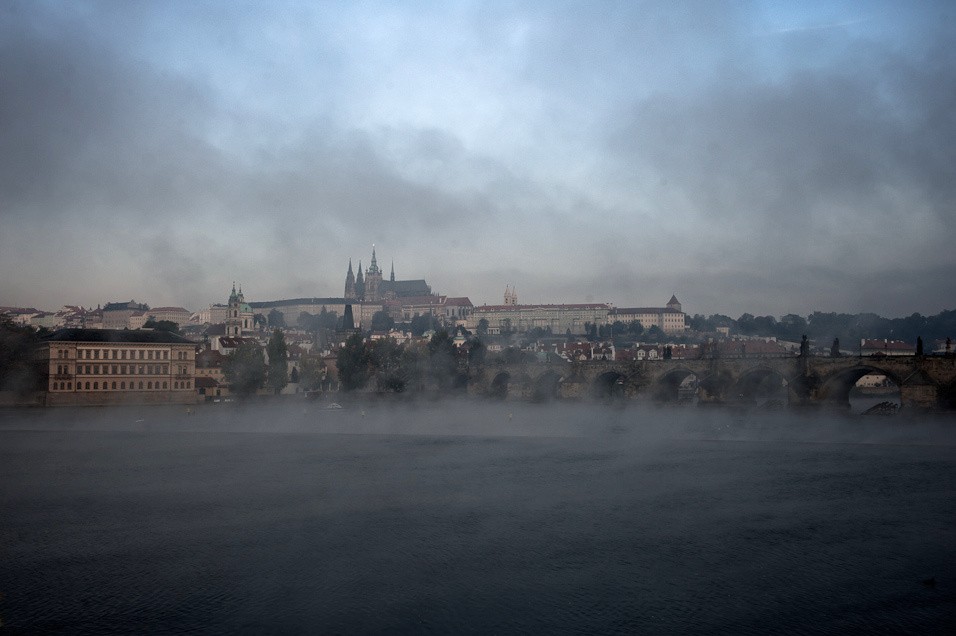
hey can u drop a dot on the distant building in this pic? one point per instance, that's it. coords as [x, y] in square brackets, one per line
[886, 347]
[448, 311]
[112, 366]
[669, 319]
[512, 317]
[370, 287]
[178, 315]
[117, 315]
[239, 317]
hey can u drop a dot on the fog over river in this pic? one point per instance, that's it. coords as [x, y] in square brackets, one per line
[476, 518]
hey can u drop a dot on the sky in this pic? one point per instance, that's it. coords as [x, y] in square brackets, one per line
[761, 157]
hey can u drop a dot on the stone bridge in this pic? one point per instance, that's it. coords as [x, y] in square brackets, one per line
[925, 382]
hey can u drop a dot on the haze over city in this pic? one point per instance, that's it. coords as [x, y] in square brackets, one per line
[748, 156]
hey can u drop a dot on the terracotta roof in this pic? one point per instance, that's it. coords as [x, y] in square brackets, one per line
[644, 310]
[890, 345]
[563, 306]
[116, 335]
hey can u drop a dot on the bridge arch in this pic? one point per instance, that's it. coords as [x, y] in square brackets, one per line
[836, 388]
[716, 385]
[499, 385]
[676, 385]
[547, 386]
[609, 385]
[762, 386]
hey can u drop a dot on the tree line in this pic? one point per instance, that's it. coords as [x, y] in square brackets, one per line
[825, 326]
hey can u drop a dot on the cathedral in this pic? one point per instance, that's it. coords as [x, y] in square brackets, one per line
[370, 287]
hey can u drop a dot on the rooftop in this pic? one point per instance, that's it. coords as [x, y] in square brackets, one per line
[117, 335]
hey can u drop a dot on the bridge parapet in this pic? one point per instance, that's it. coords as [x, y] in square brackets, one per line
[923, 381]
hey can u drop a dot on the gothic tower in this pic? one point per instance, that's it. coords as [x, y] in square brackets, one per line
[392, 277]
[360, 284]
[373, 277]
[350, 283]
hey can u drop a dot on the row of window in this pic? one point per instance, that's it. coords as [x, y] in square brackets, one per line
[120, 386]
[121, 354]
[121, 369]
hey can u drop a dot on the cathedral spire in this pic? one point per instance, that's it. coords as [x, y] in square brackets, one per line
[373, 268]
[350, 282]
[392, 277]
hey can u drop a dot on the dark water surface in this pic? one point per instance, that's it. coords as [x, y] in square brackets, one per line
[466, 518]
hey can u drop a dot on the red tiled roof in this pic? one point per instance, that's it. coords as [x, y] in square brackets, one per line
[564, 306]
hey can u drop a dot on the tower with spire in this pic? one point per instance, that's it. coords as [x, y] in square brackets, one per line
[511, 295]
[373, 280]
[234, 318]
[391, 278]
[360, 284]
[350, 283]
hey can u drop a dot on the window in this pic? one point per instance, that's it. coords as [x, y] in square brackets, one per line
[149, 385]
[69, 385]
[175, 385]
[123, 385]
[96, 354]
[114, 385]
[96, 386]
[165, 384]
[115, 369]
[140, 385]
[165, 355]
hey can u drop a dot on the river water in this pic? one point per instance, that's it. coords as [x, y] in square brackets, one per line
[475, 518]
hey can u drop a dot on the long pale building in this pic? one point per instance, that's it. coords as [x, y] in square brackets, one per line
[117, 366]
[558, 318]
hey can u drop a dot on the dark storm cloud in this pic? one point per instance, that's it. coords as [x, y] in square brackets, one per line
[729, 153]
[846, 167]
[105, 147]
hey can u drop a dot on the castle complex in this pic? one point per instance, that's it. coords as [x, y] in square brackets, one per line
[370, 287]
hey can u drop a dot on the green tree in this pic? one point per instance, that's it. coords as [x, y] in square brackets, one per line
[381, 321]
[277, 319]
[354, 363]
[476, 350]
[161, 325]
[245, 369]
[312, 373]
[278, 373]
[420, 324]
[18, 369]
[483, 327]
[386, 359]
[443, 359]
